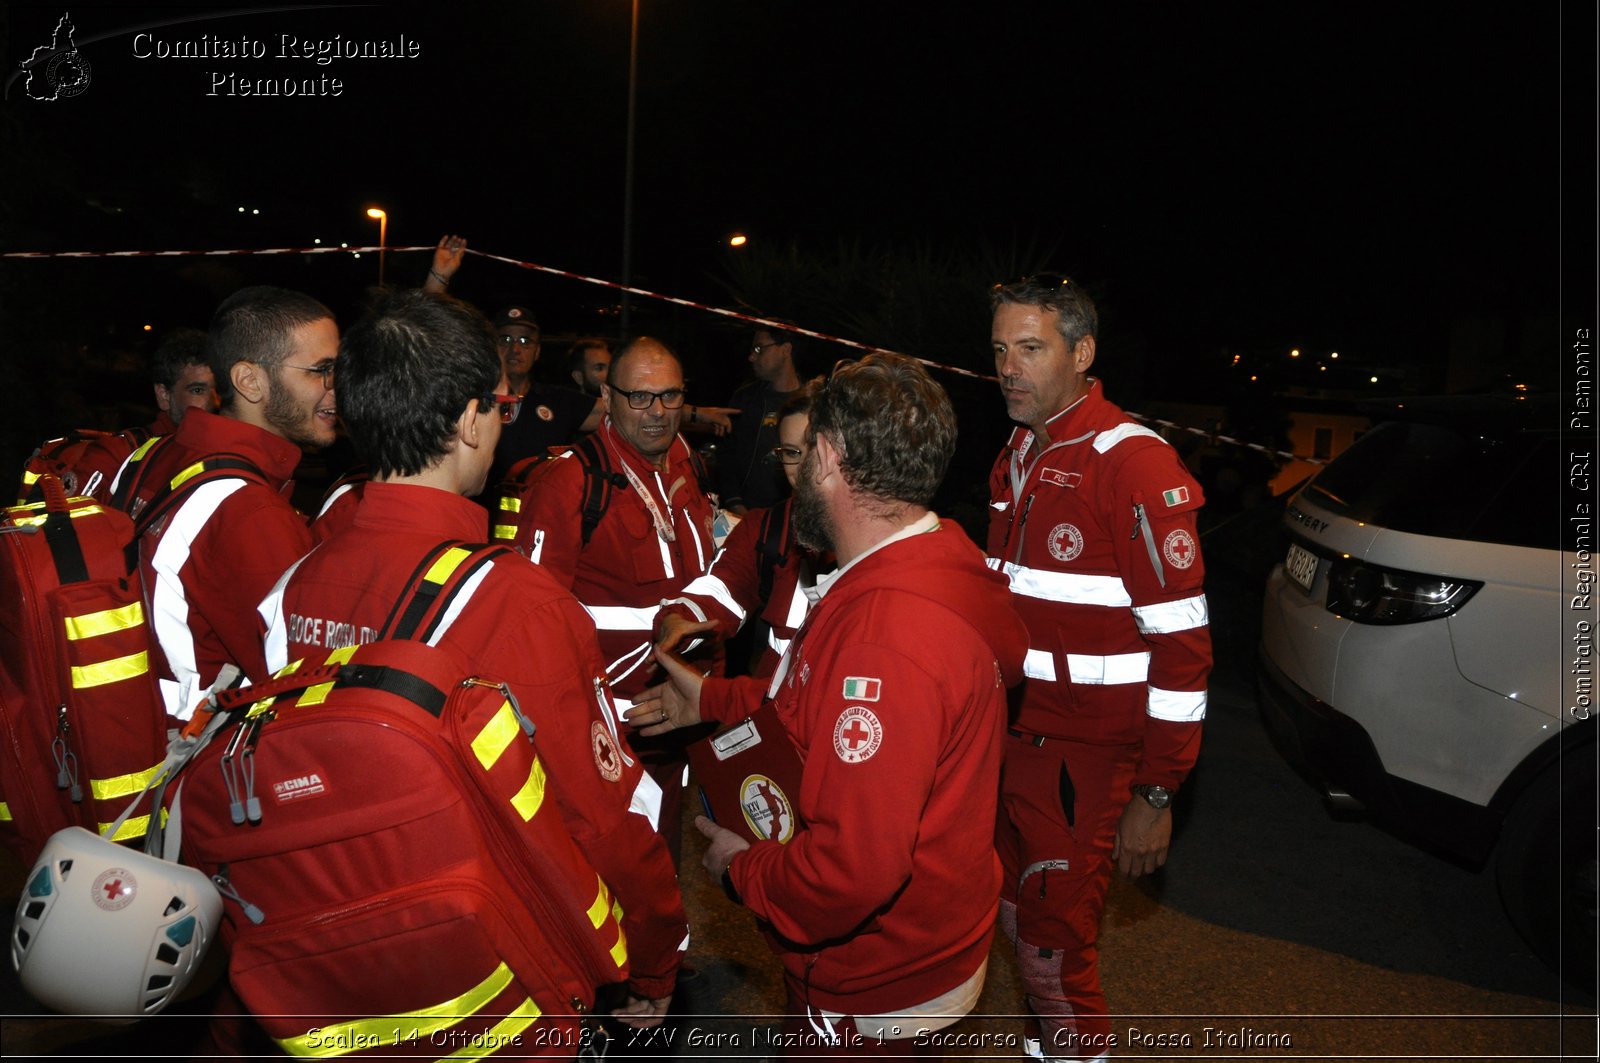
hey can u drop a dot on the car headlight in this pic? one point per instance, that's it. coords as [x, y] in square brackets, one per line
[1372, 594]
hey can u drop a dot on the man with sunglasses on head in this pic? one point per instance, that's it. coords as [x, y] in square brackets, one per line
[1092, 518]
[207, 562]
[425, 401]
[646, 534]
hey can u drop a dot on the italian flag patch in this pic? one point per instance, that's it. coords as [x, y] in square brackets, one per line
[860, 688]
[1175, 497]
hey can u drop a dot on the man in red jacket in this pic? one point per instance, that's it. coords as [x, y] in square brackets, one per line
[882, 905]
[207, 562]
[1093, 520]
[424, 399]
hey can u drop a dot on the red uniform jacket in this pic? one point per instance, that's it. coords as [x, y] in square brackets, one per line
[627, 569]
[518, 625]
[207, 564]
[1096, 532]
[887, 895]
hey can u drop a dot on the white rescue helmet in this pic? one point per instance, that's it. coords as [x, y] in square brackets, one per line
[108, 931]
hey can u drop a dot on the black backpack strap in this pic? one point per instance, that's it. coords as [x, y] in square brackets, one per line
[433, 586]
[66, 552]
[172, 494]
[134, 472]
[598, 479]
[773, 547]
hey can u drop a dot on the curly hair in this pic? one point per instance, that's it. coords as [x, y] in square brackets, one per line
[892, 424]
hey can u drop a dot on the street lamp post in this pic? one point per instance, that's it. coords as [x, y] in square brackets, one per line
[627, 171]
[383, 238]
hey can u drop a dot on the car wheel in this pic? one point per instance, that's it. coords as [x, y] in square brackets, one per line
[1547, 870]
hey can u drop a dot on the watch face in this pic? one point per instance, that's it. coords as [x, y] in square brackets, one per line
[1154, 796]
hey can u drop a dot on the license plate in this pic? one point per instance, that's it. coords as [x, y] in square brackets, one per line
[1301, 566]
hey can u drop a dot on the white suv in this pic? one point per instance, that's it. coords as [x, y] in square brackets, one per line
[1413, 656]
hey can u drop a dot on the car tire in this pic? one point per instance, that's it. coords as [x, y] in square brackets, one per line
[1546, 867]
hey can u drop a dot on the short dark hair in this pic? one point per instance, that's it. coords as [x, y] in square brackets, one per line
[177, 351]
[581, 347]
[892, 423]
[253, 325]
[1053, 291]
[801, 399]
[406, 371]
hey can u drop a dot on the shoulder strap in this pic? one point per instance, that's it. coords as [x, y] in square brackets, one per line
[773, 546]
[134, 471]
[433, 587]
[598, 480]
[170, 495]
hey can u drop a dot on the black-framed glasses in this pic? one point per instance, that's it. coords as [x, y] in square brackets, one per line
[325, 371]
[671, 399]
[757, 348]
[520, 341]
[786, 455]
[508, 405]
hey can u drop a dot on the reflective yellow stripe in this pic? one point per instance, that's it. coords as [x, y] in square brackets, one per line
[112, 671]
[5, 812]
[496, 736]
[447, 564]
[528, 799]
[24, 522]
[29, 478]
[135, 827]
[504, 531]
[501, 1033]
[619, 951]
[105, 621]
[339, 1039]
[318, 694]
[144, 448]
[511, 505]
[188, 474]
[602, 902]
[123, 785]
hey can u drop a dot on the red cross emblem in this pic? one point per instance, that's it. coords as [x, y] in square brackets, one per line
[1179, 548]
[857, 735]
[114, 889]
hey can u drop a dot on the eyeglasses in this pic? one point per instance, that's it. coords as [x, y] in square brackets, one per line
[509, 405]
[756, 349]
[325, 371]
[786, 455]
[643, 400]
[520, 341]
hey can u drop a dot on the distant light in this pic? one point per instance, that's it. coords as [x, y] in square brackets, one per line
[374, 212]
[1252, 377]
[317, 241]
[357, 254]
[149, 328]
[1322, 369]
[1373, 379]
[1295, 353]
[1335, 354]
[1520, 387]
[241, 210]
[256, 211]
[1236, 359]
[737, 240]
[344, 245]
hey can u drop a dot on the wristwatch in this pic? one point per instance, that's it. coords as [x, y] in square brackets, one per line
[1155, 796]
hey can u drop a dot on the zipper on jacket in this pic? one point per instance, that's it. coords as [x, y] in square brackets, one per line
[1141, 524]
[1022, 530]
[66, 760]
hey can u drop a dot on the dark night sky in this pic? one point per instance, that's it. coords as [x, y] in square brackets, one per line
[1225, 175]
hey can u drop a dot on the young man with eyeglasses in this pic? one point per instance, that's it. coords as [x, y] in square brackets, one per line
[425, 401]
[653, 537]
[745, 479]
[1093, 520]
[206, 564]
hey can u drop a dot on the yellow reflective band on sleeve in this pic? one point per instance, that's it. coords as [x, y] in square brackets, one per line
[602, 902]
[188, 474]
[511, 505]
[337, 1039]
[123, 785]
[448, 563]
[318, 694]
[5, 812]
[105, 621]
[498, 734]
[500, 1034]
[112, 671]
[29, 478]
[504, 532]
[528, 799]
[144, 448]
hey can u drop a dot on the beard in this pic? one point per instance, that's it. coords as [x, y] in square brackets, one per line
[293, 420]
[810, 514]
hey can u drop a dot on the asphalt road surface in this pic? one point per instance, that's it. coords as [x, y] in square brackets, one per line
[1274, 932]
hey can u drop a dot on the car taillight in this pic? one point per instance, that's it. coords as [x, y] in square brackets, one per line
[1372, 594]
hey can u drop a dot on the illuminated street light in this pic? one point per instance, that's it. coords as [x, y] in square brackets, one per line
[1295, 353]
[383, 238]
[738, 240]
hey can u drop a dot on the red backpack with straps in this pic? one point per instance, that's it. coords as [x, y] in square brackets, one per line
[399, 879]
[84, 460]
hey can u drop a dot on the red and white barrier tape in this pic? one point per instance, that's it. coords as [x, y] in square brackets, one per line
[769, 323]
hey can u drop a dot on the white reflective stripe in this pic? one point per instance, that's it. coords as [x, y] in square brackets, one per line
[1039, 664]
[1000, 506]
[699, 547]
[169, 605]
[1177, 706]
[338, 493]
[538, 546]
[464, 594]
[271, 612]
[623, 617]
[1167, 617]
[1104, 441]
[666, 556]
[779, 646]
[646, 800]
[1067, 587]
[712, 587]
[1112, 669]
[799, 604]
